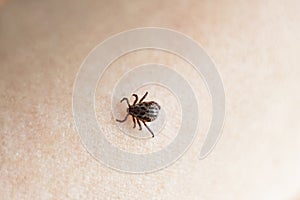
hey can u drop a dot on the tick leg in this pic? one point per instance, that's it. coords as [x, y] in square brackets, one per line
[136, 99]
[143, 97]
[148, 129]
[139, 123]
[133, 119]
[123, 119]
[125, 99]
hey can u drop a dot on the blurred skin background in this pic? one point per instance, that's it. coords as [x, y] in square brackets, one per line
[255, 45]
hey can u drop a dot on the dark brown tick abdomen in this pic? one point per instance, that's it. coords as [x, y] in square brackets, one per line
[146, 111]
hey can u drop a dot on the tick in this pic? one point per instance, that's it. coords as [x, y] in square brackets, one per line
[142, 111]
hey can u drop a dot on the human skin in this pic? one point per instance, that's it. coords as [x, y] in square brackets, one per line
[255, 45]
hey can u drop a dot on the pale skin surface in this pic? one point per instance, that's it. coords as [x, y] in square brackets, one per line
[255, 45]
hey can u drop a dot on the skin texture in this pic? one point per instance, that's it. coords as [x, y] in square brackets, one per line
[255, 45]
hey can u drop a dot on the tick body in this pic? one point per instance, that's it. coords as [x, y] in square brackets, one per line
[141, 111]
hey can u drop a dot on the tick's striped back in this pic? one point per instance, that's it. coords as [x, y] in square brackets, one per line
[145, 111]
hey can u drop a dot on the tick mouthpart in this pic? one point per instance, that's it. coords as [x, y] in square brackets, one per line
[127, 109]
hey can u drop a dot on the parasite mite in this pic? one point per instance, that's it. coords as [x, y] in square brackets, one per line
[143, 111]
